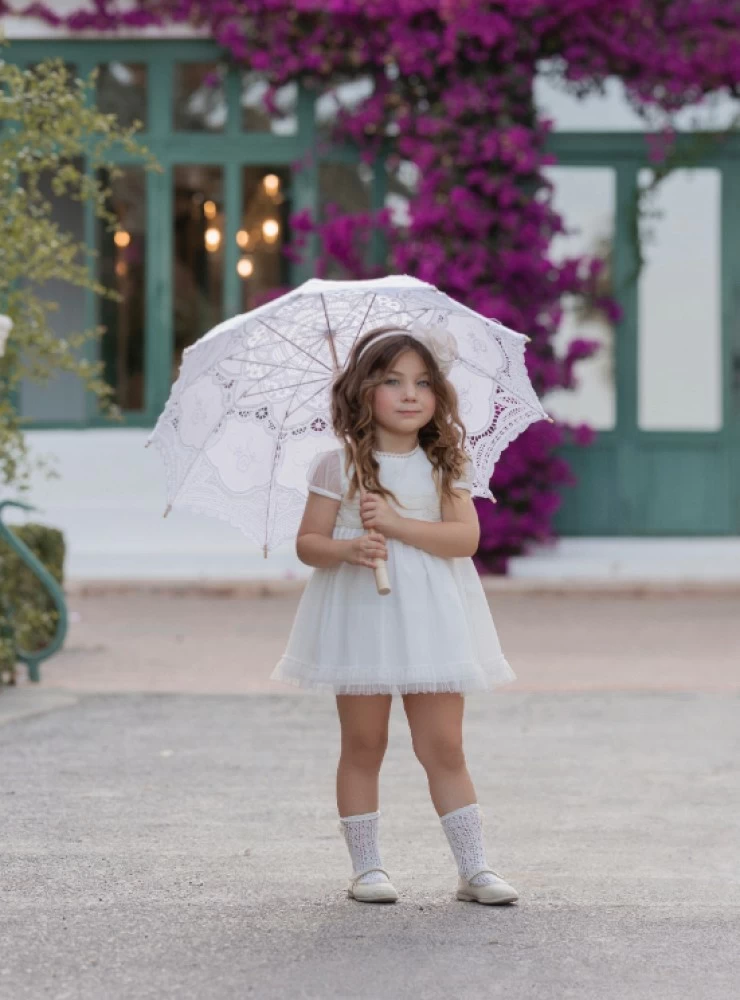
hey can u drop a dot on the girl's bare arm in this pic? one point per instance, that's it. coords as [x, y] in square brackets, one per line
[316, 547]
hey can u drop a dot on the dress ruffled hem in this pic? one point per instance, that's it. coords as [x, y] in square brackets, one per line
[470, 678]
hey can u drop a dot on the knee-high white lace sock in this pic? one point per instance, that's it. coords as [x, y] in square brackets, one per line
[464, 829]
[361, 835]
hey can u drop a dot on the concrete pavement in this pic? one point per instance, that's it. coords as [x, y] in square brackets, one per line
[169, 825]
[211, 643]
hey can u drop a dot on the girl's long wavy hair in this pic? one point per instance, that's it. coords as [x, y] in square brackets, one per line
[442, 438]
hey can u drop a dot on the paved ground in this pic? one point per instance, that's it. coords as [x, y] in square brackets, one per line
[169, 825]
[209, 644]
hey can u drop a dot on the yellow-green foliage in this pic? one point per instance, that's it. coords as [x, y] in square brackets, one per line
[51, 130]
[25, 606]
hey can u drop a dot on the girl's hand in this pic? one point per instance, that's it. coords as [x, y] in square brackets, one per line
[365, 550]
[377, 513]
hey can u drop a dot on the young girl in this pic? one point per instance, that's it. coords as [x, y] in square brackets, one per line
[432, 639]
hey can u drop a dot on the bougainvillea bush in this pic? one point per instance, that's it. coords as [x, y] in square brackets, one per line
[453, 94]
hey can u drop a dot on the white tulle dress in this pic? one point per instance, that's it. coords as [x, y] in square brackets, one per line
[433, 632]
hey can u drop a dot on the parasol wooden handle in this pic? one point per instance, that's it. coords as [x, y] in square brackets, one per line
[381, 570]
[381, 577]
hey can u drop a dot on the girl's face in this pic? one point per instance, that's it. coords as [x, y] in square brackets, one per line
[404, 401]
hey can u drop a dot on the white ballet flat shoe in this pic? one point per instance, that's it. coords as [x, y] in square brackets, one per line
[372, 892]
[495, 892]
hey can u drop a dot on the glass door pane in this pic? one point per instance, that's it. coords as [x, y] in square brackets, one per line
[282, 119]
[680, 322]
[122, 91]
[122, 267]
[199, 100]
[585, 198]
[62, 398]
[262, 234]
[346, 188]
[198, 254]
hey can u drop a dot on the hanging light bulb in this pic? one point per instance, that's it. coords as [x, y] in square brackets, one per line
[270, 230]
[271, 184]
[121, 268]
[242, 238]
[213, 239]
[209, 209]
[122, 238]
[244, 267]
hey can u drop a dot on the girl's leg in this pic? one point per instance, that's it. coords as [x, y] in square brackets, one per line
[364, 725]
[436, 721]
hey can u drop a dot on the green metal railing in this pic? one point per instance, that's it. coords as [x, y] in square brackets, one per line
[32, 658]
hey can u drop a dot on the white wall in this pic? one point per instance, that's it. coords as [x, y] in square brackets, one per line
[109, 502]
[111, 495]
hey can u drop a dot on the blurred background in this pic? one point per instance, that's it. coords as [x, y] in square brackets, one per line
[657, 493]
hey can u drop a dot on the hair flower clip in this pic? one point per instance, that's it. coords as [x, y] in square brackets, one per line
[440, 342]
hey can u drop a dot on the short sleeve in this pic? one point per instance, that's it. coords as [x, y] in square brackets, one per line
[466, 481]
[324, 474]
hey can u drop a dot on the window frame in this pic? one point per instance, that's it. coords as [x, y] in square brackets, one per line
[231, 149]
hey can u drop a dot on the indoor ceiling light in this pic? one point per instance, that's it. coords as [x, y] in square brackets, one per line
[270, 230]
[213, 239]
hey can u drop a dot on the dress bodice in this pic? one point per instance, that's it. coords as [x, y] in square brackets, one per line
[408, 475]
[422, 506]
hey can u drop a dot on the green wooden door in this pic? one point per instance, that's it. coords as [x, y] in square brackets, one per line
[653, 473]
